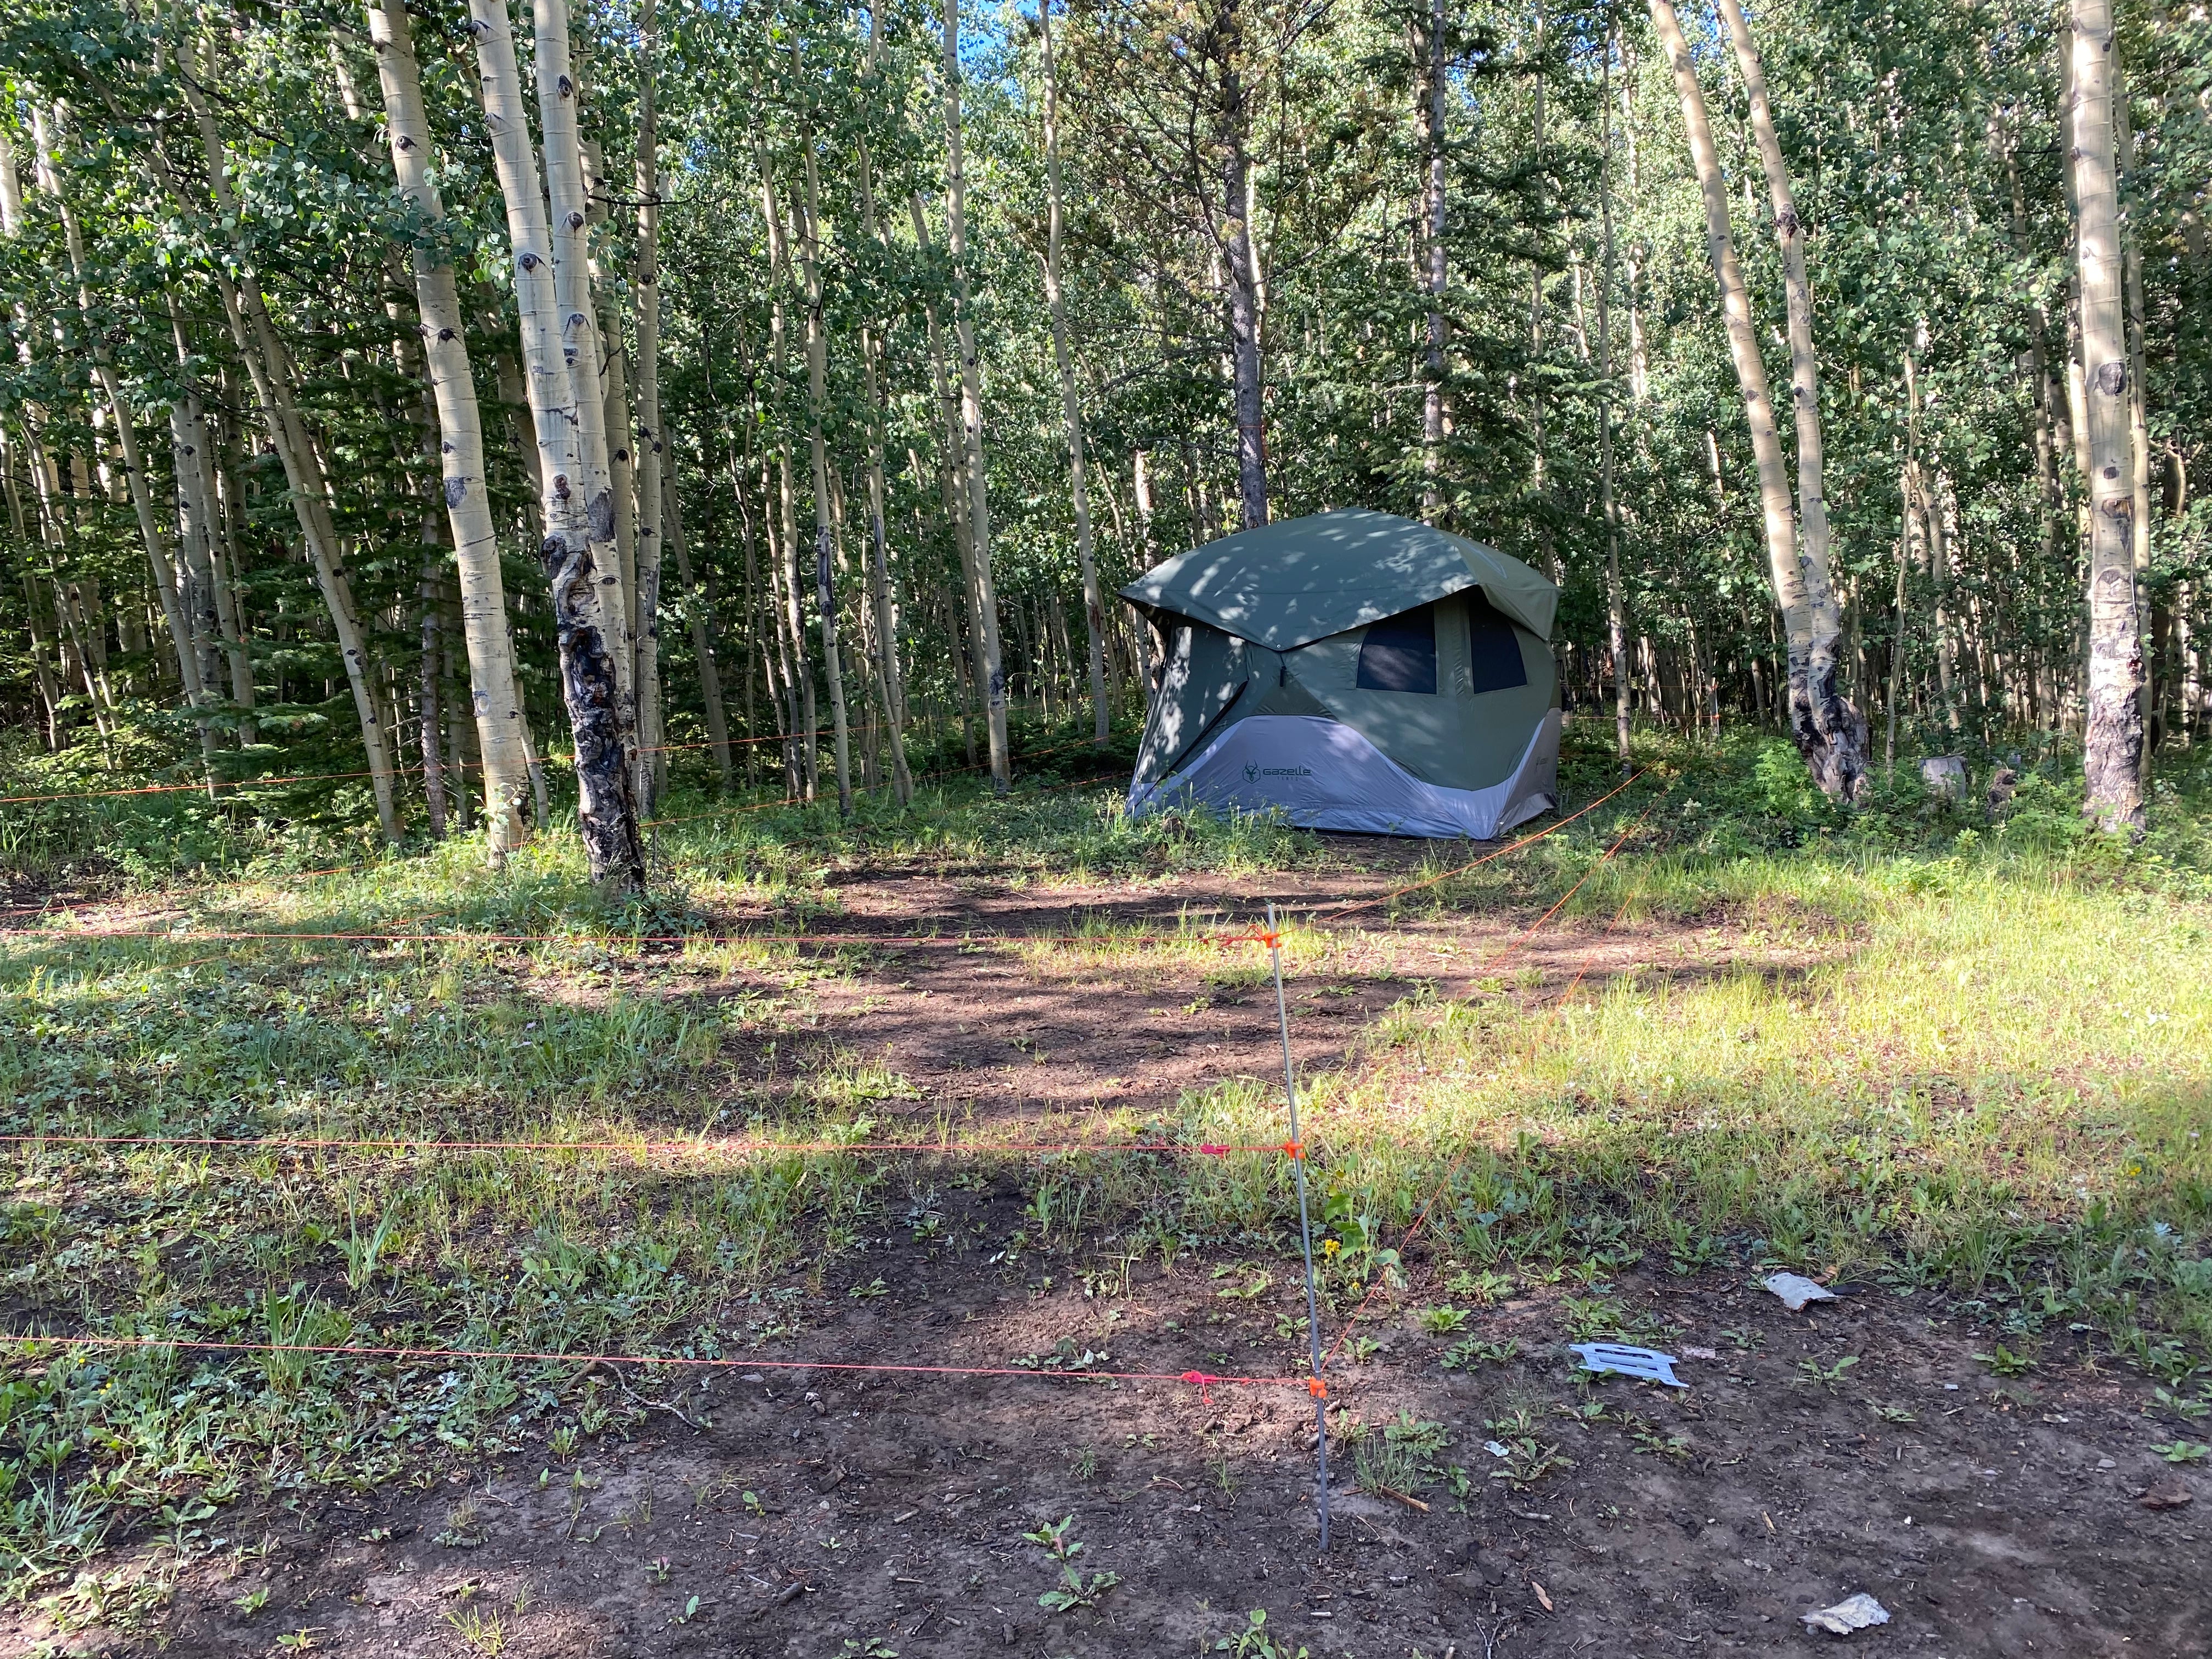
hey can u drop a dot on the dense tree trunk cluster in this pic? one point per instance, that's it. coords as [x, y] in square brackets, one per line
[735, 384]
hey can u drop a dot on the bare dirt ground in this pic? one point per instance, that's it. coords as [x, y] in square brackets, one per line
[2005, 1517]
[998, 1037]
[811, 1513]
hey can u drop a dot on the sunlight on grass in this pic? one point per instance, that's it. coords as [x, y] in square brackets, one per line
[1904, 1046]
[1967, 1084]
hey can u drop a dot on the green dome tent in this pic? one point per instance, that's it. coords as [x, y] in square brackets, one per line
[1356, 671]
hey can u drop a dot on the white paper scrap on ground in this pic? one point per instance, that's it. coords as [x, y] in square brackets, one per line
[1852, 1613]
[1643, 1363]
[1497, 1448]
[1795, 1290]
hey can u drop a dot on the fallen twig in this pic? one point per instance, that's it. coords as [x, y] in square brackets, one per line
[676, 1412]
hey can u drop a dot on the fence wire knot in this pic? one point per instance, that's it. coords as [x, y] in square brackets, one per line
[1294, 1149]
[1204, 1383]
[1316, 1387]
[1272, 939]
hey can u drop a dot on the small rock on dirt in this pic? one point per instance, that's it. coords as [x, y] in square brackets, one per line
[2171, 1497]
[1852, 1613]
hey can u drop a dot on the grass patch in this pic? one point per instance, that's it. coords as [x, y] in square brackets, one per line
[1908, 1046]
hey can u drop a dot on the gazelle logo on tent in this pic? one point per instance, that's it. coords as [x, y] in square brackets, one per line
[1254, 770]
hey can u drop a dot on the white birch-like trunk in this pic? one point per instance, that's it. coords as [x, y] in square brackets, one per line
[490, 649]
[645, 289]
[1433, 90]
[196, 529]
[569, 201]
[971, 414]
[619, 422]
[794, 617]
[1784, 569]
[878, 551]
[1830, 731]
[269, 368]
[951, 479]
[698, 615]
[1616, 606]
[1247, 376]
[2112, 742]
[817, 393]
[1539, 489]
[785, 567]
[173, 609]
[11, 189]
[586, 600]
[230, 614]
[1920, 507]
[2138, 418]
[1094, 608]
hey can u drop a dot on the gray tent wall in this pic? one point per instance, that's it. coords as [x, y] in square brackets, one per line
[1355, 671]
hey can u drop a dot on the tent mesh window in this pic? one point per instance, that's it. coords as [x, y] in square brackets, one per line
[1399, 652]
[1493, 655]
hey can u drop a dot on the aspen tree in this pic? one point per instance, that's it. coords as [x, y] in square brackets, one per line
[498, 717]
[584, 601]
[188, 454]
[1836, 747]
[2112, 741]
[269, 367]
[1784, 568]
[2138, 419]
[175, 612]
[198, 477]
[698, 613]
[818, 369]
[1094, 610]
[952, 484]
[568, 202]
[971, 414]
[645, 287]
[1550, 556]
[1432, 91]
[784, 569]
[1616, 609]
[894, 686]
[1248, 385]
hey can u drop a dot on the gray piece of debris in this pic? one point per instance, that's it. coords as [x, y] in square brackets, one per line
[1945, 775]
[1852, 1613]
[1795, 1290]
[1645, 1364]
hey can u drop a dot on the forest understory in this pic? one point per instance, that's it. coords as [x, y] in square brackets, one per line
[931, 1088]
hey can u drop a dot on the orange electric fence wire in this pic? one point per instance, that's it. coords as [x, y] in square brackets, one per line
[735, 1148]
[730, 1148]
[397, 772]
[1444, 1185]
[1203, 1381]
[786, 801]
[649, 823]
[1295, 1149]
[1317, 912]
[1198, 1379]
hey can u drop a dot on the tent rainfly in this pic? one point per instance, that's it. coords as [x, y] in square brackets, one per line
[1355, 671]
